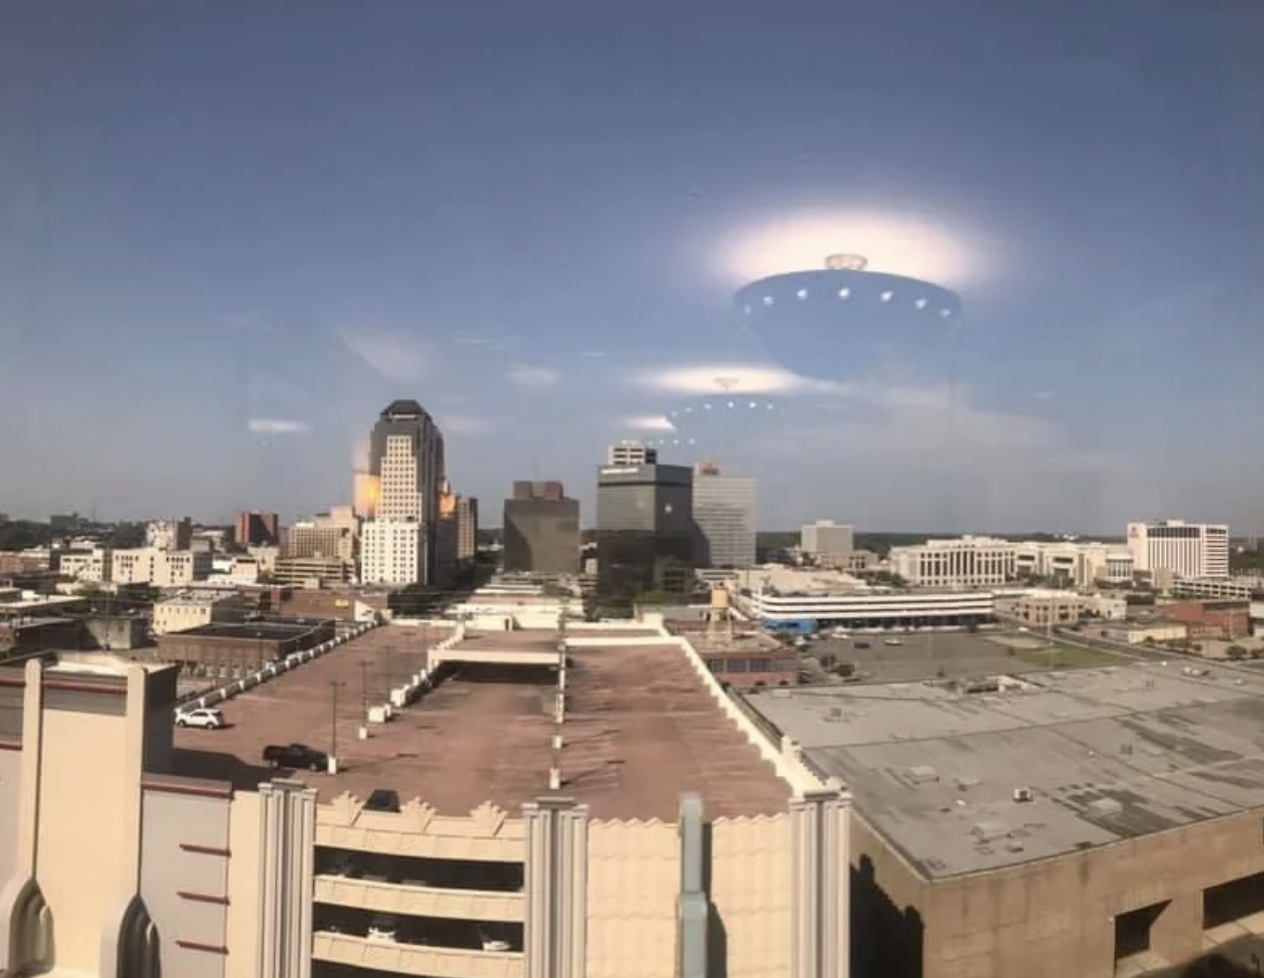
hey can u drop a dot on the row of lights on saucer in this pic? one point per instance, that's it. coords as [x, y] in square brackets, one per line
[732, 405]
[845, 293]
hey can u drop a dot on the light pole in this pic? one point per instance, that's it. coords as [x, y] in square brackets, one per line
[334, 684]
[364, 688]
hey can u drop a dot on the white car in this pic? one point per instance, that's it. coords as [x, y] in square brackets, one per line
[383, 929]
[200, 717]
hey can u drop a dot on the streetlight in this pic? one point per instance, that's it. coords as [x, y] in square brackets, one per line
[334, 685]
[364, 688]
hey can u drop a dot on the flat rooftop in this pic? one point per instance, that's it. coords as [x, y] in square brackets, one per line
[200, 599]
[249, 630]
[541, 640]
[1107, 753]
[641, 729]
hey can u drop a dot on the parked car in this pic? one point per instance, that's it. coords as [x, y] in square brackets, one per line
[200, 717]
[383, 928]
[295, 756]
[382, 800]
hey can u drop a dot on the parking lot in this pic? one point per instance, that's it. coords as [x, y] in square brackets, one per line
[945, 655]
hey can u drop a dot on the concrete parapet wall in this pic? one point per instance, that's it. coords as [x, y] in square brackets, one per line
[407, 693]
[786, 758]
[274, 669]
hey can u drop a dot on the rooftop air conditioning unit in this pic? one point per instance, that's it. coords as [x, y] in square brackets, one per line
[1024, 795]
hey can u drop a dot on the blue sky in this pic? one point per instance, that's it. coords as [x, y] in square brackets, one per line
[221, 211]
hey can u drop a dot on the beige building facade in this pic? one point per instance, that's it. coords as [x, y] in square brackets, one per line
[1042, 607]
[194, 610]
[140, 565]
[197, 878]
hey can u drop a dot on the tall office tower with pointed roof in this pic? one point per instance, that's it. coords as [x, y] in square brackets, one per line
[406, 463]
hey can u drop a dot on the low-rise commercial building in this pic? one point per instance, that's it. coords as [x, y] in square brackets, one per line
[20, 603]
[1094, 823]
[742, 658]
[1040, 607]
[237, 649]
[1225, 620]
[1155, 632]
[195, 609]
[1241, 588]
[24, 562]
[335, 603]
[976, 561]
[808, 600]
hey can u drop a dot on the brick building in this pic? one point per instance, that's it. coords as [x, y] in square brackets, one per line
[336, 603]
[235, 649]
[742, 660]
[1225, 620]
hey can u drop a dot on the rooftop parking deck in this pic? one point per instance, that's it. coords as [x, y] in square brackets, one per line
[640, 730]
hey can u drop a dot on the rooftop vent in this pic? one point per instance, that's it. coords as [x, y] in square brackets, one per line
[990, 829]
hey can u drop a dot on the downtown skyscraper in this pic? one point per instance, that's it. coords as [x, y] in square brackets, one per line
[405, 476]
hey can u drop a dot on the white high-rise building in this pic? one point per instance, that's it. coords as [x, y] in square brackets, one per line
[724, 511]
[406, 465]
[391, 552]
[631, 453]
[827, 540]
[1180, 548]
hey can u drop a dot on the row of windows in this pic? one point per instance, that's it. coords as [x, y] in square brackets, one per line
[752, 665]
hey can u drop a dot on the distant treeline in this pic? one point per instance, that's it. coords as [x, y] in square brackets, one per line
[24, 534]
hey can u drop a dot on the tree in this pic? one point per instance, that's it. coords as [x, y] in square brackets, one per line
[126, 536]
[23, 534]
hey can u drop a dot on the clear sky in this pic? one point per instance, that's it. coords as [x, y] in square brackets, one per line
[214, 213]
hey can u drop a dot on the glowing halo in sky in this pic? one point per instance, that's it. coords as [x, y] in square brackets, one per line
[724, 378]
[803, 240]
[650, 422]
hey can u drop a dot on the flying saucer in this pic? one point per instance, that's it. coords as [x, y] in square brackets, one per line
[845, 320]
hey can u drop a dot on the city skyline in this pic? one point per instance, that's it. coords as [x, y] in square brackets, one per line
[227, 257]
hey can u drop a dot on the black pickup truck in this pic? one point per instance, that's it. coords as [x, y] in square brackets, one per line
[296, 757]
